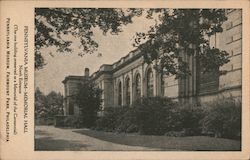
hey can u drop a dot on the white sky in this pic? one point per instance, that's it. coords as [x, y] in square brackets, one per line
[112, 47]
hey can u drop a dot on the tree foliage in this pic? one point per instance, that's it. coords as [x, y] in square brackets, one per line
[179, 32]
[52, 24]
[40, 102]
[48, 105]
[176, 32]
[89, 101]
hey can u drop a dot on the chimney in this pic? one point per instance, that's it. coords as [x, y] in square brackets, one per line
[86, 72]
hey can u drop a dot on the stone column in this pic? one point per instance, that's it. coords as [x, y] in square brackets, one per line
[67, 99]
[192, 79]
[132, 88]
[155, 93]
[143, 81]
[159, 81]
[123, 91]
[115, 95]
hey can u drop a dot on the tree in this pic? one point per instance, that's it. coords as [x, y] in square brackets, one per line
[89, 101]
[52, 24]
[179, 32]
[48, 105]
[40, 102]
[54, 103]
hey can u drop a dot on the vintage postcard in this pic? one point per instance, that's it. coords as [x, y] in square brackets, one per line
[125, 79]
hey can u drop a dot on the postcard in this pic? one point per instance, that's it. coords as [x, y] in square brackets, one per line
[125, 79]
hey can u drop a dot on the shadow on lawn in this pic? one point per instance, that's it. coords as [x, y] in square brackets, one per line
[195, 143]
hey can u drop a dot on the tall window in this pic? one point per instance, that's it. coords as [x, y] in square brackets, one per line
[128, 91]
[150, 83]
[208, 81]
[71, 108]
[137, 86]
[120, 93]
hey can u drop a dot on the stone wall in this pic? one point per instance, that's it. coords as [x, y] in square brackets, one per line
[229, 40]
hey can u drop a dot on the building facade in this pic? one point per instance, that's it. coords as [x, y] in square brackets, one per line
[130, 78]
[71, 87]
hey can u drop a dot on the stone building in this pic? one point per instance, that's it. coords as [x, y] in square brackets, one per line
[71, 86]
[130, 78]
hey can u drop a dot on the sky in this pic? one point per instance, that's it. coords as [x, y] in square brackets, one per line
[112, 48]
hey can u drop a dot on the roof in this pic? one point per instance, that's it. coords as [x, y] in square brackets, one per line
[123, 61]
[109, 68]
[73, 78]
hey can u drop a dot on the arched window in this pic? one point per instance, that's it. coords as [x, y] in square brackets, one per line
[150, 83]
[137, 86]
[120, 93]
[127, 91]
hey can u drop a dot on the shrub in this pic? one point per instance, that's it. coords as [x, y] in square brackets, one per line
[190, 117]
[118, 119]
[73, 122]
[158, 116]
[68, 121]
[110, 120]
[223, 118]
[127, 122]
[154, 115]
[162, 116]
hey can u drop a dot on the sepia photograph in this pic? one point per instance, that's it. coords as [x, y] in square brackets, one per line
[137, 79]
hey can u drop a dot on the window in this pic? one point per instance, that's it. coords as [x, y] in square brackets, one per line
[208, 81]
[137, 86]
[150, 83]
[71, 108]
[127, 91]
[120, 93]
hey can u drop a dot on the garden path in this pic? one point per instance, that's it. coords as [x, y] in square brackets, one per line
[54, 139]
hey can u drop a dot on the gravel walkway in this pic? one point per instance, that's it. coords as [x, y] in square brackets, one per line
[49, 138]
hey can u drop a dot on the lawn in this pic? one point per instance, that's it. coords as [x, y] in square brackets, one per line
[192, 143]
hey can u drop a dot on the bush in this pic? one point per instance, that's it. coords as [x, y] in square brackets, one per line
[127, 122]
[163, 116]
[223, 118]
[118, 119]
[68, 121]
[190, 119]
[44, 121]
[154, 115]
[111, 119]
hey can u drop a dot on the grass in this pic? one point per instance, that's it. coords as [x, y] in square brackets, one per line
[194, 143]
